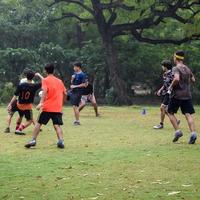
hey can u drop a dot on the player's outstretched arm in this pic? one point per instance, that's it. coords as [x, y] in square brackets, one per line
[39, 76]
[174, 82]
[44, 94]
[79, 86]
[158, 93]
[64, 97]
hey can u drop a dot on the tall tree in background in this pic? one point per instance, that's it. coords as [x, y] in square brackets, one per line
[138, 18]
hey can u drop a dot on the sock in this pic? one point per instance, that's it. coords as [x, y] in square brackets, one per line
[60, 141]
[17, 126]
[178, 131]
[21, 127]
[193, 133]
[161, 123]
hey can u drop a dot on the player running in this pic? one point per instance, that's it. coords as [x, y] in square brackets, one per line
[88, 96]
[11, 112]
[163, 91]
[51, 103]
[78, 83]
[181, 97]
[14, 109]
[24, 95]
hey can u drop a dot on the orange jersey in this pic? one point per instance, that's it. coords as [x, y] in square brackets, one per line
[55, 94]
[25, 106]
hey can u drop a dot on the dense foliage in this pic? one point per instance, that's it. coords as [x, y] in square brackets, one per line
[34, 32]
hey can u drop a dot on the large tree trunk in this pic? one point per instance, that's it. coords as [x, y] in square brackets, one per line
[115, 81]
[79, 36]
[111, 55]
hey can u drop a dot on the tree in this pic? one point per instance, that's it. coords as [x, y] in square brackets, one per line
[115, 18]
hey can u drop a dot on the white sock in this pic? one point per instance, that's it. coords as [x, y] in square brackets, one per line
[194, 133]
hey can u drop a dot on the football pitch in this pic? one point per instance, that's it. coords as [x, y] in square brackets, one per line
[115, 157]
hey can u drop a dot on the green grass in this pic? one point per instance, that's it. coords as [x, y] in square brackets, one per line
[116, 157]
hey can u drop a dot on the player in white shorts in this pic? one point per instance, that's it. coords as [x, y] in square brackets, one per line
[89, 97]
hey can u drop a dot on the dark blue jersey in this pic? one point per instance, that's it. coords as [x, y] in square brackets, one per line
[78, 79]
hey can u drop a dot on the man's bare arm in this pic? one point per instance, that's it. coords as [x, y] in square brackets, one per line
[175, 81]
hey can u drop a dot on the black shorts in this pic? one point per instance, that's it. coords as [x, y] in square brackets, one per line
[165, 100]
[185, 105]
[76, 98]
[28, 114]
[56, 118]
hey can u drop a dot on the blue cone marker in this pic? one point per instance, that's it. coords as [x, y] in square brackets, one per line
[144, 111]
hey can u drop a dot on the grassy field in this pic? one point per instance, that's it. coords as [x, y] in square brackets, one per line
[116, 157]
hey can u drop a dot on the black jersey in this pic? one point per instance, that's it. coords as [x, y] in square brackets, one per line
[88, 90]
[26, 92]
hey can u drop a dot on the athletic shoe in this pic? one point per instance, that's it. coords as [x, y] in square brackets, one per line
[60, 144]
[18, 132]
[77, 123]
[178, 135]
[98, 115]
[160, 126]
[7, 130]
[192, 139]
[30, 144]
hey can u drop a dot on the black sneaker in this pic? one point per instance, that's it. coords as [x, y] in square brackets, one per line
[7, 130]
[77, 123]
[18, 132]
[160, 126]
[192, 139]
[30, 144]
[177, 136]
[60, 145]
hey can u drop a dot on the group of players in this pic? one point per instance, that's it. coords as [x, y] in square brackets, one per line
[175, 92]
[52, 98]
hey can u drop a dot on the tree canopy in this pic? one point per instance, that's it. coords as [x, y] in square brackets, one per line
[120, 42]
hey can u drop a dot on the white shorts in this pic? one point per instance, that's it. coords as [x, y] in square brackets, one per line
[90, 98]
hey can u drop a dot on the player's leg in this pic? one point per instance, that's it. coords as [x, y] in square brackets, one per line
[57, 123]
[75, 100]
[162, 117]
[83, 103]
[188, 110]
[94, 104]
[35, 134]
[76, 115]
[9, 117]
[173, 107]
[18, 122]
[8, 121]
[34, 123]
[43, 119]
[163, 112]
[29, 119]
[59, 133]
[190, 121]
[173, 121]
